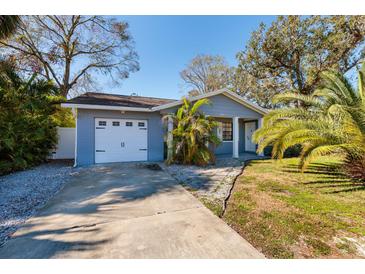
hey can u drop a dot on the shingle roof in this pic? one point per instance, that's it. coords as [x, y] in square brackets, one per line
[94, 98]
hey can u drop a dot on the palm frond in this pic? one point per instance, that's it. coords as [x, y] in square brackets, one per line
[361, 83]
[331, 121]
[198, 104]
[289, 97]
[8, 25]
[339, 85]
[192, 131]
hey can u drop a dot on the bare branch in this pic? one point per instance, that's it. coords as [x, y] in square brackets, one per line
[70, 48]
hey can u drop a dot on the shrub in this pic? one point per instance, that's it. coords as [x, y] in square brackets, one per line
[63, 117]
[27, 129]
[290, 152]
[192, 135]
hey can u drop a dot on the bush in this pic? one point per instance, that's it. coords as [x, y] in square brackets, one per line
[291, 152]
[63, 117]
[192, 135]
[27, 129]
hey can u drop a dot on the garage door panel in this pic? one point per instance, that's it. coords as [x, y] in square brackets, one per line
[120, 140]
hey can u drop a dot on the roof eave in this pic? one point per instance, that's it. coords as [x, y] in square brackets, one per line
[104, 107]
[226, 92]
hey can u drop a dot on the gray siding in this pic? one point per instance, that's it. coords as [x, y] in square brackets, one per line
[227, 146]
[222, 106]
[86, 133]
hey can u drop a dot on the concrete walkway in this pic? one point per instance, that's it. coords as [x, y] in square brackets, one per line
[125, 211]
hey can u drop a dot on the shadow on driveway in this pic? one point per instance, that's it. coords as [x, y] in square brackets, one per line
[125, 211]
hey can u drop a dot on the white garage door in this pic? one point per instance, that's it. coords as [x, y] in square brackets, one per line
[120, 140]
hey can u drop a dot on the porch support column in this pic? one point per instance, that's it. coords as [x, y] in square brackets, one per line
[170, 149]
[259, 125]
[235, 137]
[75, 114]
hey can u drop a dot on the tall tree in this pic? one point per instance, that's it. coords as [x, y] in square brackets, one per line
[72, 50]
[291, 53]
[206, 73]
[8, 25]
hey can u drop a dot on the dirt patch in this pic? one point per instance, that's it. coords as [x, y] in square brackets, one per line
[212, 184]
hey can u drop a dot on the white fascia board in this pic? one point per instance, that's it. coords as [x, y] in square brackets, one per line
[85, 106]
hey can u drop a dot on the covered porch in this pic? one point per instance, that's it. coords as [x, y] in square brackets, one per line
[235, 134]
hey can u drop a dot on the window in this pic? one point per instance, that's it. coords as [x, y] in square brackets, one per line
[128, 124]
[102, 123]
[227, 131]
[116, 124]
[140, 124]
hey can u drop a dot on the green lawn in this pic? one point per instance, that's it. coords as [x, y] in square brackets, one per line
[289, 214]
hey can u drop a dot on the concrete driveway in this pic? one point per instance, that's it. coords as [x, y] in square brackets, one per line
[125, 211]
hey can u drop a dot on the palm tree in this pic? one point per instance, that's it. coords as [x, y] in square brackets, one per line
[8, 25]
[330, 121]
[192, 134]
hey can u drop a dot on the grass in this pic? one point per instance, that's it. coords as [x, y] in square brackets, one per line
[289, 214]
[214, 206]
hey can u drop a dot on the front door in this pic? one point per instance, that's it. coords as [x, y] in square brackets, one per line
[250, 128]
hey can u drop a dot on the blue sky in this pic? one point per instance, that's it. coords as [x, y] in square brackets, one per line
[166, 44]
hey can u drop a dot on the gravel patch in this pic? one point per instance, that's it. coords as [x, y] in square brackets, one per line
[23, 192]
[212, 183]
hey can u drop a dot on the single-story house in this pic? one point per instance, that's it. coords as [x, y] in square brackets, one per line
[120, 128]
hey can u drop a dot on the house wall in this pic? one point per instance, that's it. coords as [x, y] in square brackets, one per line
[222, 106]
[86, 133]
[226, 147]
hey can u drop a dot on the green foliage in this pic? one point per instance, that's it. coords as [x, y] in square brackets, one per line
[290, 54]
[8, 25]
[192, 135]
[27, 130]
[330, 121]
[290, 152]
[63, 117]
